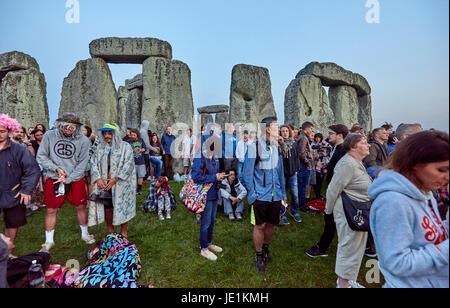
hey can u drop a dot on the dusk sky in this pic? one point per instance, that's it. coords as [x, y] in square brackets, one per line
[405, 57]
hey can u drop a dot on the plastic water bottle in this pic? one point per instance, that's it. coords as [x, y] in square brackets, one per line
[36, 276]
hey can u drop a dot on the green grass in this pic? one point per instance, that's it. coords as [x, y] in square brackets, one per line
[170, 254]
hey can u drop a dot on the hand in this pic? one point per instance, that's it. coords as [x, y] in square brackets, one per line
[220, 176]
[24, 199]
[101, 184]
[61, 173]
[280, 140]
[111, 183]
[156, 150]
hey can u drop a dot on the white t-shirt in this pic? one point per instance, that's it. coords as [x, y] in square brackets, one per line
[187, 142]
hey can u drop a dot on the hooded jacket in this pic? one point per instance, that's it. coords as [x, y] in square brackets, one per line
[69, 154]
[144, 134]
[411, 239]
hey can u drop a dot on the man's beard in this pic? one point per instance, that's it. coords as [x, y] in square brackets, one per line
[17, 138]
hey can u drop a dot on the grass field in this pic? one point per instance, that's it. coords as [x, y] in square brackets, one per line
[170, 254]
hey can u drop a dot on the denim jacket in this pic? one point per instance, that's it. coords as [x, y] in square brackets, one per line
[264, 173]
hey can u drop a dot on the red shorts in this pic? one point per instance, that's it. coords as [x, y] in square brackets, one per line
[77, 195]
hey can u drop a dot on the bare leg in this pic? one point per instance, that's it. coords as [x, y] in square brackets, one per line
[50, 219]
[109, 215]
[82, 215]
[258, 236]
[343, 283]
[124, 229]
[12, 234]
[268, 232]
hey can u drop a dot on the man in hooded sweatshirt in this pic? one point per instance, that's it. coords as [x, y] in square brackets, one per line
[64, 153]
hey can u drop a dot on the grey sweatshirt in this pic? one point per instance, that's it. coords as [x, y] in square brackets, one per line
[69, 154]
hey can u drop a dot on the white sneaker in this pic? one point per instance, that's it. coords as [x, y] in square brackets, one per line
[49, 245]
[215, 248]
[168, 216]
[208, 255]
[160, 217]
[88, 239]
[355, 285]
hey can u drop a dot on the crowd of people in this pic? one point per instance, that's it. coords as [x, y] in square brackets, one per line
[398, 173]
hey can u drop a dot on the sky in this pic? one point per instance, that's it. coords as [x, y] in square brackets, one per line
[404, 57]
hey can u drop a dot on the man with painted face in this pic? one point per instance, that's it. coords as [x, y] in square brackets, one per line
[64, 152]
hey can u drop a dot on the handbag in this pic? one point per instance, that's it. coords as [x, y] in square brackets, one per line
[193, 196]
[357, 213]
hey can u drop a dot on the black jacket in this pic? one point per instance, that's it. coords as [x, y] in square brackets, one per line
[377, 155]
[291, 163]
[339, 152]
[18, 166]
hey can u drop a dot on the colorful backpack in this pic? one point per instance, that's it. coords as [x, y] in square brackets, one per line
[193, 196]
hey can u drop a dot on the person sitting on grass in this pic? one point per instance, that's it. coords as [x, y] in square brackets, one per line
[233, 194]
[160, 197]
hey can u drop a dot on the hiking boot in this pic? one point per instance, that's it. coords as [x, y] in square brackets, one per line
[260, 264]
[215, 248]
[231, 217]
[296, 217]
[208, 255]
[238, 216]
[284, 221]
[315, 252]
[88, 239]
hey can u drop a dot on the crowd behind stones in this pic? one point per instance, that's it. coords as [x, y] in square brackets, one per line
[107, 170]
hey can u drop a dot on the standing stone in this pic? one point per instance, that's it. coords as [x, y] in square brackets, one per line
[136, 82]
[251, 96]
[167, 94]
[365, 112]
[23, 96]
[332, 75]
[134, 108]
[344, 103]
[306, 100]
[129, 50]
[123, 94]
[222, 118]
[206, 118]
[89, 92]
[213, 109]
[14, 61]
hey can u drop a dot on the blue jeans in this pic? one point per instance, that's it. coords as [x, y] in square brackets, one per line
[207, 224]
[228, 208]
[240, 171]
[292, 184]
[303, 183]
[157, 164]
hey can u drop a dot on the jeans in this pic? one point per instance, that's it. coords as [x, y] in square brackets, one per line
[4, 253]
[157, 164]
[303, 183]
[228, 207]
[240, 171]
[292, 184]
[207, 224]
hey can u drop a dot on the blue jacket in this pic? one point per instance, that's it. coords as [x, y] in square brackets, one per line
[264, 180]
[166, 142]
[18, 166]
[229, 145]
[210, 177]
[411, 253]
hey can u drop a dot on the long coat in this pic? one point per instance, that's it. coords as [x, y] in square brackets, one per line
[124, 192]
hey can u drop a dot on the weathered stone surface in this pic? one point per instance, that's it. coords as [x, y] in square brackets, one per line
[23, 96]
[89, 92]
[134, 108]
[214, 109]
[344, 103]
[365, 112]
[129, 50]
[306, 100]
[222, 118]
[135, 82]
[15, 60]
[332, 74]
[122, 94]
[206, 118]
[251, 95]
[167, 94]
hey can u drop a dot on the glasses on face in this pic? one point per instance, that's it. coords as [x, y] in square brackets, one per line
[70, 128]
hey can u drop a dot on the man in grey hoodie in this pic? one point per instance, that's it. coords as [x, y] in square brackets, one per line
[64, 152]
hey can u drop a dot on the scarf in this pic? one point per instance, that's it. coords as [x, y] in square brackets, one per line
[287, 147]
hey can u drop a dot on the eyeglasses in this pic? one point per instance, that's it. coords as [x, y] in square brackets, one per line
[70, 128]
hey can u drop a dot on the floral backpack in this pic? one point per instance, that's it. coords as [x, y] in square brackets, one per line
[193, 195]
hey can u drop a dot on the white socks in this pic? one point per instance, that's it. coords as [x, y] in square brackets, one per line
[49, 236]
[84, 231]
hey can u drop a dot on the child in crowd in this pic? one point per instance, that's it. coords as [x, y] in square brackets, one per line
[162, 194]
